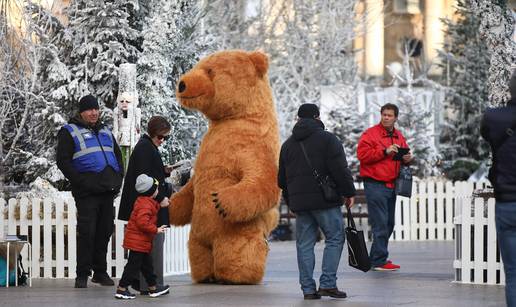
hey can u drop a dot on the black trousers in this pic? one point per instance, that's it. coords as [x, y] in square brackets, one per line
[95, 216]
[138, 262]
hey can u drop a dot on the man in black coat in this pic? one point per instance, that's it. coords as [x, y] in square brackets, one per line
[304, 197]
[499, 128]
[89, 157]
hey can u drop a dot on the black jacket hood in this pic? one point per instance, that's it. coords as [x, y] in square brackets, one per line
[306, 127]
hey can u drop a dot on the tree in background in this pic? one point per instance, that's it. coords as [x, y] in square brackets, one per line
[21, 59]
[465, 61]
[415, 118]
[497, 28]
[96, 41]
[172, 45]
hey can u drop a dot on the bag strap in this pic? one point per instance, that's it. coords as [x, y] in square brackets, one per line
[314, 171]
[351, 222]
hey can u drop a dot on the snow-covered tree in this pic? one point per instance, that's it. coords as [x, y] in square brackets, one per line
[97, 40]
[497, 28]
[313, 49]
[415, 119]
[172, 45]
[21, 56]
[348, 123]
[465, 61]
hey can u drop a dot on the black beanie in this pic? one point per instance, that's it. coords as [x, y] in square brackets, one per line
[88, 102]
[308, 110]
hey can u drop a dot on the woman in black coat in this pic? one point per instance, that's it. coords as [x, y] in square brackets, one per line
[146, 159]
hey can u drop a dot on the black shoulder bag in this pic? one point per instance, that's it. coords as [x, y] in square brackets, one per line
[328, 187]
[492, 171]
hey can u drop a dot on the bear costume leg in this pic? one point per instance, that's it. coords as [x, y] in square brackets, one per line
[201, 261]
[241, 258]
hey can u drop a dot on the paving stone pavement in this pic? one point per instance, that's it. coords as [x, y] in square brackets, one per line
[425, 279]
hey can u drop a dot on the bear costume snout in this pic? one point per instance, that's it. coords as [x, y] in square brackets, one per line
[194, 88]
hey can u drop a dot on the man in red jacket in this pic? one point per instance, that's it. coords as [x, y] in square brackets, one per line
[138, 237]
[376, 150]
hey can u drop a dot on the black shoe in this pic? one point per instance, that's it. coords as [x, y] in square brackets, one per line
[160, 290]
[312, 296]
[124, 294]
[332, 292]
[81, 282]
[103, 279]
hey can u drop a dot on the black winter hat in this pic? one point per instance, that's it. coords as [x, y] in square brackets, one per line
[308, 110]
[88, 102]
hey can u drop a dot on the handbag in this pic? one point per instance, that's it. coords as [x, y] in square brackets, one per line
[403, 185]
[327, 186]
[358, 257]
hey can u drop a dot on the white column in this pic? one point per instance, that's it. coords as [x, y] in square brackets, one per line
[374, 46]
[434, 35]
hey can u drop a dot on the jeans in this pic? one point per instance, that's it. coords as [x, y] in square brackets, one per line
[95, 215]
[138, 262]
[381, 203]
[505, 213]
[307, 229]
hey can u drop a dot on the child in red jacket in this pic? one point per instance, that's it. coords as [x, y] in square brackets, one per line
[138, 237]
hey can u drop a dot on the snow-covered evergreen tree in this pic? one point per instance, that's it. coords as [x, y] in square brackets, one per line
[415, 119]
[97, 40]
[497, 28]
[348, 124]
[172, 45]
[465, 61]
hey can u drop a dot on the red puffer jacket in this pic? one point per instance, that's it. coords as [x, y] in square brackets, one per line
[373, 161]
[141, 229]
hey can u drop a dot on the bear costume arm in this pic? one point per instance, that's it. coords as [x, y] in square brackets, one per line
[181, 205]
[255, 194]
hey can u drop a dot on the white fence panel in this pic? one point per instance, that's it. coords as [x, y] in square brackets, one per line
[53, 223]
[477, 254]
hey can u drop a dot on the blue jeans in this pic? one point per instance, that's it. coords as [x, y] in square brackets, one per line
[307, 229]
[381, 203]
[505, 214]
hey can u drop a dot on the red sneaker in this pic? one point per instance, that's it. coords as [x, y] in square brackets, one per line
[389, 266]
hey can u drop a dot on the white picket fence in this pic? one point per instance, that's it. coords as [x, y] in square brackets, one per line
[51, 227]
[477, 257]
[436, 211]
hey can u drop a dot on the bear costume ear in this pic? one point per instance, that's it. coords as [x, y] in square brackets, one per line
[260, 61]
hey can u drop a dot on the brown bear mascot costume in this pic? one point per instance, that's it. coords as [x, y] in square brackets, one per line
[231, 200]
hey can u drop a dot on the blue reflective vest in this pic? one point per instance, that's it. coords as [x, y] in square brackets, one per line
[93, 152]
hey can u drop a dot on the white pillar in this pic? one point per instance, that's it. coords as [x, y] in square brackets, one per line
[434, 35]
[374, 46]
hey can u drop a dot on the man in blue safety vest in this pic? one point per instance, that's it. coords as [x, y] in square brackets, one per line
[91, 160]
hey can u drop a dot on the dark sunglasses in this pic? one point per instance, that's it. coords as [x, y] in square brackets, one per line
[163, 137]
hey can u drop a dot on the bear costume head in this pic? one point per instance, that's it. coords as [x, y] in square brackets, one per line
[227, 84]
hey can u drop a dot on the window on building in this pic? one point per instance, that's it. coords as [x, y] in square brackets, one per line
[407, 7]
